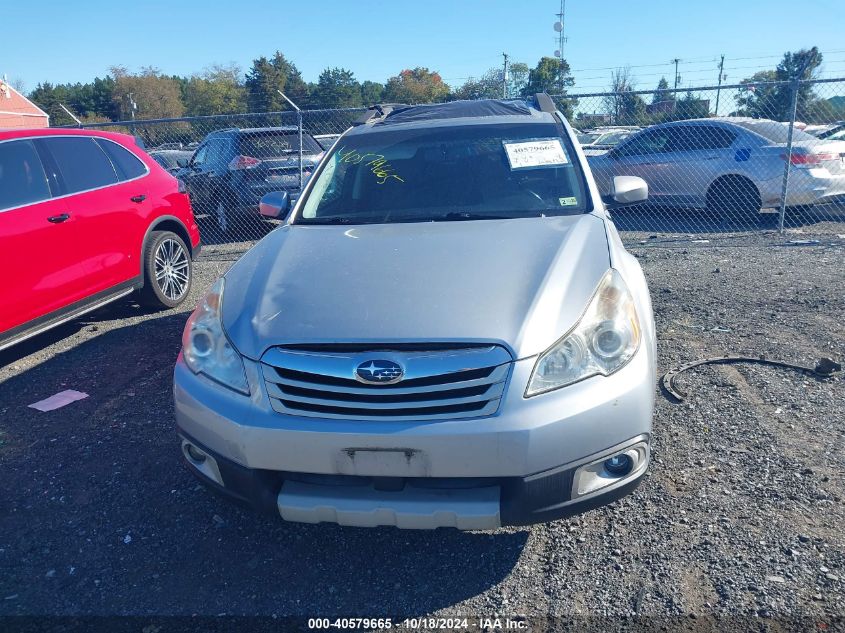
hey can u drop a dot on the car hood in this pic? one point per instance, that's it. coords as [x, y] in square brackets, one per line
[521, 283]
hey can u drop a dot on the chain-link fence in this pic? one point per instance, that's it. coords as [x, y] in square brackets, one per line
[749, 157]
[721, 158]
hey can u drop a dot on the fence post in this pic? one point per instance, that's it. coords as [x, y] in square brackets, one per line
[299, 112]
[788, 157]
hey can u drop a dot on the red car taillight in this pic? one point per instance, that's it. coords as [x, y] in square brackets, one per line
[243, 162]
[808, 160]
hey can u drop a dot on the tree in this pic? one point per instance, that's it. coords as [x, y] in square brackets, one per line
[517, 78]
[553, 76]
[371, 92]
[488, 86]
[267, 77]
[662, 93]
[155, 95]
[217, 90]
[337, 88]
[419, 85]
[550, 75]
[624, 107]
[774, 100]
[691, 106]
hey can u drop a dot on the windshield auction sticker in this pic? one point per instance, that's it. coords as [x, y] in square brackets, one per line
[535, 154]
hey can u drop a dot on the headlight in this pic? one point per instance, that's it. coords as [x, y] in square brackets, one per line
[206, 349]
[603, 340]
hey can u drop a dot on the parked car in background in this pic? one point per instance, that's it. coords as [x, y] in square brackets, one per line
[728, 164]
[172, 160]
[86, 218]
[607, 140]
[835, 131]
[232, 169]
[326, 140]
[448, 332]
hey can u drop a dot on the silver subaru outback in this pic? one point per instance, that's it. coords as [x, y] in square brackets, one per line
[446, 331]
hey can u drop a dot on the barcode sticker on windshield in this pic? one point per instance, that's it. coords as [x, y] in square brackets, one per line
[535, 154]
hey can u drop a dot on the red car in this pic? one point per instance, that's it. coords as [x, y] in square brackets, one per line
[86, 218]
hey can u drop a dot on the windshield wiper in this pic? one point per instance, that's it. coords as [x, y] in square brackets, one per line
[466, 215]
[335, 219]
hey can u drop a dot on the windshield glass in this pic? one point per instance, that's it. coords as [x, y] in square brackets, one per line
[585, 138]
[486, 171]
[273, 144]
[613, 138]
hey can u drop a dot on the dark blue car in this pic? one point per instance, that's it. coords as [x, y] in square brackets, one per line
[232, 169]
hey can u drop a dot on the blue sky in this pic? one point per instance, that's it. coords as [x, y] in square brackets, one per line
[378, 38]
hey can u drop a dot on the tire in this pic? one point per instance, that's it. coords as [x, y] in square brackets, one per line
[734, 197]
[222, 216]
[168, 271]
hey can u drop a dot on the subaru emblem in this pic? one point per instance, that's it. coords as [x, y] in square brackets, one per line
[379, 371]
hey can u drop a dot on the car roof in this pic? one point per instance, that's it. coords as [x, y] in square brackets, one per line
[725, 120]
[6, 135]
[254, 130]
[454, 114]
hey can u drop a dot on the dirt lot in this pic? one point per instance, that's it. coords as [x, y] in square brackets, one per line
[742, 511]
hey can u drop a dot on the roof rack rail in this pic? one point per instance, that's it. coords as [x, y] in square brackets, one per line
[544, 103]
[377, 111]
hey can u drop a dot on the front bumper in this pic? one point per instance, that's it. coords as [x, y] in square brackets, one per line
[516, 467]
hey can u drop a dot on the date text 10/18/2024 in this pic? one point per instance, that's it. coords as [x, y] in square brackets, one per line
[423, 623]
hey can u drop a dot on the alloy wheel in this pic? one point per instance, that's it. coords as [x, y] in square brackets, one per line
[172, 271]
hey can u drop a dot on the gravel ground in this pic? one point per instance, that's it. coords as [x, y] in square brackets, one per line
[741, 512]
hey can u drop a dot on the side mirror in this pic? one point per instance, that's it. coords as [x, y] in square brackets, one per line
[182, 162]
[626, 190]
[275, 205]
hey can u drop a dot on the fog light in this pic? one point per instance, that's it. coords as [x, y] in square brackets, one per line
[194, 454]
[201, 461]
[619, 464]
[624, 464]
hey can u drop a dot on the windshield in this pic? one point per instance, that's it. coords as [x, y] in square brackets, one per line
[585, 138]
[775, 131]
[613, 138]
[273, 144]
[474, 172]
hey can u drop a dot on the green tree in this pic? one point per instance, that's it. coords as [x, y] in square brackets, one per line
[553, 76]
[662, 93]
[337, 88]
[371, 92]
[267, 77]
[488, 86]
[419, 85]
[48, 97]
[774, 101]
[218, 90]
[691, 106]
[517, 78]
[155, 95]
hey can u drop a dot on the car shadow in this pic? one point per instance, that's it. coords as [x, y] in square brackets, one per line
[653, 219]
[100, 517]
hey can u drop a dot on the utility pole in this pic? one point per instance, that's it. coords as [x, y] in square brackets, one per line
[505, 77]
[719, 87]
[677, 81]
[677, 76]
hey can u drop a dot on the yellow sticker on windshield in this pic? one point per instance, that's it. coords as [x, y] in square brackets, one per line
[568, 202]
